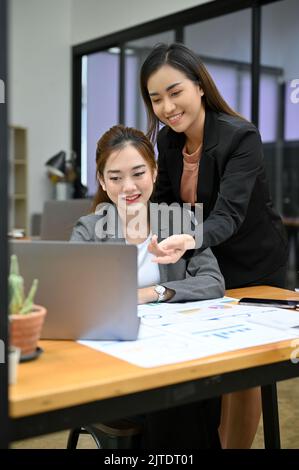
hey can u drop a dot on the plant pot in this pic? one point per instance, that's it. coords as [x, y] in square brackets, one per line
[13, 361]
[25, 330]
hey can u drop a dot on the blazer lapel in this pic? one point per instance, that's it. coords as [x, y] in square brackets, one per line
[207, 165]
[175, 161]
[211, 130]
[207, 162]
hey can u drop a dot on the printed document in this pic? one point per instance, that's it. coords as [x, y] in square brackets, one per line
[172, 332]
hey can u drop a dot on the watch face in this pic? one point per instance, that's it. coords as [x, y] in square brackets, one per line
[160, 289]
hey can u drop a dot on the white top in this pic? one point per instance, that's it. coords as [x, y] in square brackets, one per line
[148, 272]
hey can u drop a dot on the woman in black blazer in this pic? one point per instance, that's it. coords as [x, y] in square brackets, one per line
[209, 154]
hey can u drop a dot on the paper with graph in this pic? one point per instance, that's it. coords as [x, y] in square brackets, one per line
[171, 333]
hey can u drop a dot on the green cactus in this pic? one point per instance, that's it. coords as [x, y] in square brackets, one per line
[17, 302]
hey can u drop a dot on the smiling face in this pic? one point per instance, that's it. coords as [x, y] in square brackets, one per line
[176, 100]
[127, 178]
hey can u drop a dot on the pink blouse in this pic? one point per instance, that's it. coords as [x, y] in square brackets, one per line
[190, 175]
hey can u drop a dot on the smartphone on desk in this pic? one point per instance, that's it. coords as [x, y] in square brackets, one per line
[294, 304]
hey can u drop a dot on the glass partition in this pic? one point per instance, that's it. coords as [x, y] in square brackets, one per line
[136, 52]
[100, 104]
[279, 108]
[224, 45]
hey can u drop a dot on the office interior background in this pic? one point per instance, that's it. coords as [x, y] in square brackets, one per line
[96, 49]
[41, 36]
[73, 72]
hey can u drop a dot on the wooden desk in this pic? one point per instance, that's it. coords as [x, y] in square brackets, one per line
[72, 385]
[291, 221]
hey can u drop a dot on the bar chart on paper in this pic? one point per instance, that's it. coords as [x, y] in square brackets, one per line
[176, 333]
[227, 332]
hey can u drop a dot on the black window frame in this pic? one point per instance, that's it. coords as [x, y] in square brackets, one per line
[178, 22]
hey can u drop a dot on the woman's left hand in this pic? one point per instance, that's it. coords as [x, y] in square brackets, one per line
[170, 250]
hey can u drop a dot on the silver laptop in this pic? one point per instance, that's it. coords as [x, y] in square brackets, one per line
[89, 289]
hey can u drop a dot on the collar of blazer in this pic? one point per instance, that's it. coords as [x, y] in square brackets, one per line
[175, 143]
[109, 226]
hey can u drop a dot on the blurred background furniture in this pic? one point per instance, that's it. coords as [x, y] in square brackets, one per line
[18, 178]
[65, 174]
[59, 217]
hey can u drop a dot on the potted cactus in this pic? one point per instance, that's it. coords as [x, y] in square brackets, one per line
[26, 318]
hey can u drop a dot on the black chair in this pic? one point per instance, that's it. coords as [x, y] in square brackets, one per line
[122, 434]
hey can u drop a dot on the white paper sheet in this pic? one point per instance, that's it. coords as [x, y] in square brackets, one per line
[171, 333]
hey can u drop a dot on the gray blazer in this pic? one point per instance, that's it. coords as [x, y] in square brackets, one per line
[196, 278]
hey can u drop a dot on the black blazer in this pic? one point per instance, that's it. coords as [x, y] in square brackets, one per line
[241, 226]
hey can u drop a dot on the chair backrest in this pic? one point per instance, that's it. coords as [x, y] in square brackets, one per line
[59, 217]
[36, 222]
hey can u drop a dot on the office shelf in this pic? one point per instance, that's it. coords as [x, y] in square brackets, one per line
[18, 179]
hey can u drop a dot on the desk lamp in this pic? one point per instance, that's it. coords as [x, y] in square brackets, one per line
[56, 165]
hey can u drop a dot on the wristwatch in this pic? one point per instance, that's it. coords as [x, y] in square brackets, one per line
[161, 291]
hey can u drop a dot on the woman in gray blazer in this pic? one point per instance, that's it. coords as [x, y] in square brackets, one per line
[126, 172]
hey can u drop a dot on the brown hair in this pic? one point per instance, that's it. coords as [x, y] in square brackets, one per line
[116, 138]
[181, 58]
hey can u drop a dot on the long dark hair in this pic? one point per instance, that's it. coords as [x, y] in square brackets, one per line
[116, 138]
[180, 57]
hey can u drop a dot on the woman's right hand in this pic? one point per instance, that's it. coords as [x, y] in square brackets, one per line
[170, 250]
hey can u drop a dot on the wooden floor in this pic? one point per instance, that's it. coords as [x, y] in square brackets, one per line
[288, 396]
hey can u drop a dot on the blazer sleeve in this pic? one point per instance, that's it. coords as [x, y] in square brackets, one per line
[203, 279]
[236, 187]
[163, 189]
